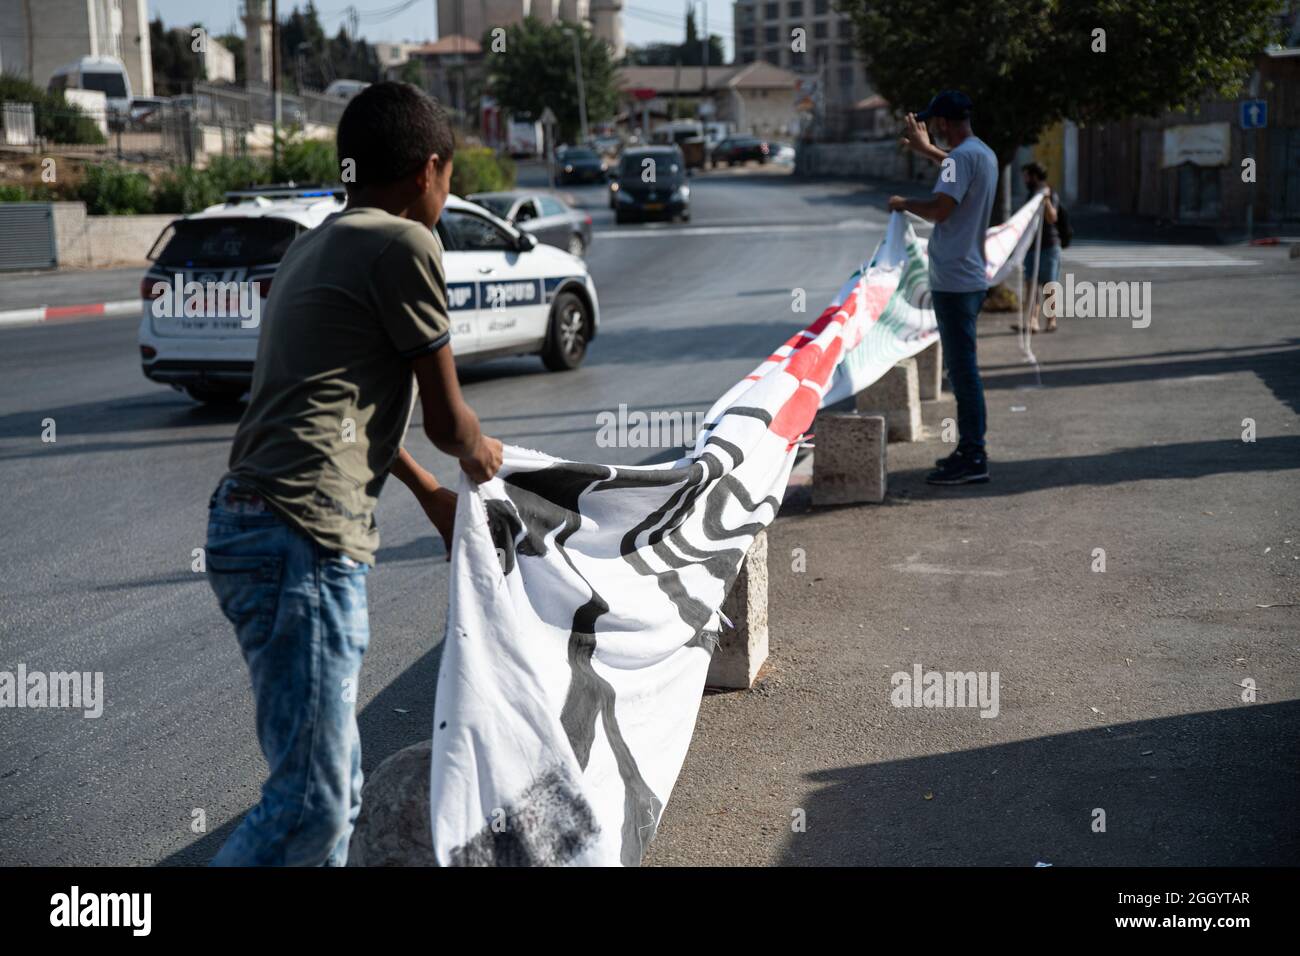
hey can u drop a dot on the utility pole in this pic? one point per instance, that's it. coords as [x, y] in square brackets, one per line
[582, 95]
[704, 45]
[1251, 144]
[275, 89]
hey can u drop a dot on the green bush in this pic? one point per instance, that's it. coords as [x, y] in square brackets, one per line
[111, 190]
[56, 119]
[477, 169]
[308, 161]
[186, 190]
[237, 172]
[11, 193]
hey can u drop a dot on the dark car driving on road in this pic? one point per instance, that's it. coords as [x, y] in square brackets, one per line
[741, 149]
[551, 220]
[577, 164]
[651, 184]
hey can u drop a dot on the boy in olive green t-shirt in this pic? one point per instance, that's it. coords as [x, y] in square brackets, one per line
[356, 318]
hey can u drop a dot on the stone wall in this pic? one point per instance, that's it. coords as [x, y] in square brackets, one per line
[876, 160]
[94, 242]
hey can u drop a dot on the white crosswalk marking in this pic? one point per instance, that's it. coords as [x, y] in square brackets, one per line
[1134, 255]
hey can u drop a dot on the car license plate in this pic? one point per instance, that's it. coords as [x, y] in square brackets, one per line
[653, 206]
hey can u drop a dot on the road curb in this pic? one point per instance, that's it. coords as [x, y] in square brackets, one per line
[49, 313]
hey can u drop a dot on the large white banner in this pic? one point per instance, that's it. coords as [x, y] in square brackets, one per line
[584, 597]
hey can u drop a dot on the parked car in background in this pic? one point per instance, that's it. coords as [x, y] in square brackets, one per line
[651, 184]
[578, 164]
[715, 132]
[689, 137]
[741, 149]
[547, 217]
[146, 112]
[345, 89]
[782, 153]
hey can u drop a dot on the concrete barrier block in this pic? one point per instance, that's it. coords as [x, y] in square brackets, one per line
[393, 828]
[742, 649]
[929, 371]
[897, 396]
[849, 459]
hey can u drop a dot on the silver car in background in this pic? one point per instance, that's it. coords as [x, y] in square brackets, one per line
[553, 221]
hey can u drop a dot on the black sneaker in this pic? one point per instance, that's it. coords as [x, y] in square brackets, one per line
[960, 468]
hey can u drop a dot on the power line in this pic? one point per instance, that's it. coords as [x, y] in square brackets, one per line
[659, 18]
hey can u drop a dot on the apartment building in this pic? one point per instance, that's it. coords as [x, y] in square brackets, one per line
[470, 18]
[39, 36]
[764, 31]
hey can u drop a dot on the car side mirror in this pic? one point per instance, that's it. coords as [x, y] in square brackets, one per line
[527, 242]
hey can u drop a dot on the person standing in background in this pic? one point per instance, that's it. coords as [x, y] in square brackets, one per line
[1049, 253]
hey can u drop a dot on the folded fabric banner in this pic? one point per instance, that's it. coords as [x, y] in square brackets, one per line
[584, 597]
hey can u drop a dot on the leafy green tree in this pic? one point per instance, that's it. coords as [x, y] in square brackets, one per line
[1029, 63]
[176, 66]
[689, 53]
[535, 70]
[412, 72]
[309, 59]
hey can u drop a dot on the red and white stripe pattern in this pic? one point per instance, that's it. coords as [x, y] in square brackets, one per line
[50, 313]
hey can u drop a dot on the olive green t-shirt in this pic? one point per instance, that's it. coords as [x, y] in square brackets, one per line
[352, 303]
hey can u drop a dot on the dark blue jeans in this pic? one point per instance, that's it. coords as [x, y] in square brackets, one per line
[957, 313]
[300, 615]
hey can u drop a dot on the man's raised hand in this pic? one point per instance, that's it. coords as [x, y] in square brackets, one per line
[915, 136]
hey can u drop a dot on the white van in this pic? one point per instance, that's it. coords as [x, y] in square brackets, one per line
[106, 74]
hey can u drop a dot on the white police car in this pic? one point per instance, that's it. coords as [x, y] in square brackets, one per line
[507, 295]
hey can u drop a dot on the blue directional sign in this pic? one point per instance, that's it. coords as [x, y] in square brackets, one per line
[1254, 114]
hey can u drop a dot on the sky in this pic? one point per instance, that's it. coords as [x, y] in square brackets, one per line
[644, 21]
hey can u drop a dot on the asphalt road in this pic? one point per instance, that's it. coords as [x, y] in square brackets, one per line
[98, 529]
[99, 525]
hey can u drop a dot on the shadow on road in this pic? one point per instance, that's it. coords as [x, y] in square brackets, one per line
[1279, 370]
[1142, 463]
[1219, 788]
[147, 411]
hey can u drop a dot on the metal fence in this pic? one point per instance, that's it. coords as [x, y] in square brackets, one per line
[210, 121]
[223, 105]
[165, 134]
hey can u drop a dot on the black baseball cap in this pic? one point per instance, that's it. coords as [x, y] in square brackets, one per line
[950, 104]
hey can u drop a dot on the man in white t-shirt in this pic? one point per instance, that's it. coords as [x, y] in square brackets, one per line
[960, 206]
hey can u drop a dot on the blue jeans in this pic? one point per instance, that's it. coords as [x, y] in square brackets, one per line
[957, 313]
[1049, 264]
[299, 612]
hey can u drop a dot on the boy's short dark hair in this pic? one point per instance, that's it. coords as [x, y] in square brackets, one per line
[389, 130]
[1034, 169]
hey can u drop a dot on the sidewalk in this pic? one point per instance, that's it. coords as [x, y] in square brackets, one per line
[1119, 691]
[1095, 223]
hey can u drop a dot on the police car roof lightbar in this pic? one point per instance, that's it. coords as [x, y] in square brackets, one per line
[288, 190]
